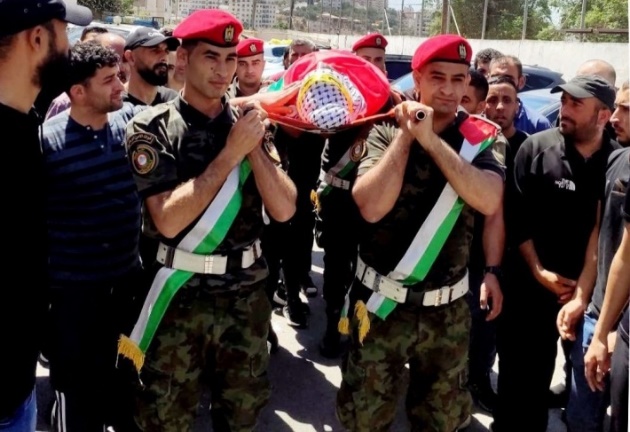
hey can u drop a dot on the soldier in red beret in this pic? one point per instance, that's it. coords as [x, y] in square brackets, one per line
[203, 174]
[419, 182]
[371, 47]
[249, 70]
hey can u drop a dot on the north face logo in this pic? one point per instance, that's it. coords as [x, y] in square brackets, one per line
[565, 184]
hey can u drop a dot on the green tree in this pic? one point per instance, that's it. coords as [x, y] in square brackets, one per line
[600, 14]
[98, 7]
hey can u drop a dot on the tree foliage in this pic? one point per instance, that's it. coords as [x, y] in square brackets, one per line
[600, 14]
[98, 7]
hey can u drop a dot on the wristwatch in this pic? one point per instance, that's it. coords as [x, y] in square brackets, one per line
[495, 270]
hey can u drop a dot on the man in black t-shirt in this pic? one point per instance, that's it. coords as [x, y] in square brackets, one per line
[146, 51]
[33, 55]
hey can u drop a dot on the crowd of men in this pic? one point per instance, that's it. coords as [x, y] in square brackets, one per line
[165, 217]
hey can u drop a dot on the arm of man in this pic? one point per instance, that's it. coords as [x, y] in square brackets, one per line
[493, 246]
[381, 172]
[278, 192]
[597, 358]
[481, 189]
[571, 312]
[172, 210]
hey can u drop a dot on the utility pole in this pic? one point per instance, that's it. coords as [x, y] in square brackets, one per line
[484, 19]
[367, 15]
[352, 19]
[402, 17]
[582, 19]
[291, 7]
[253, 18]
[422, 19]
[525, 12]
[321, 17]
[445, 16]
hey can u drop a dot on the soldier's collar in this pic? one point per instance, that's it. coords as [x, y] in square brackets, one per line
[196, 117]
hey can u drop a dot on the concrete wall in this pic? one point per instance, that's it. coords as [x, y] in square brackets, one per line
[564, 57]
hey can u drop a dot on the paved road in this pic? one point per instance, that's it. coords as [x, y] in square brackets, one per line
[304, 383]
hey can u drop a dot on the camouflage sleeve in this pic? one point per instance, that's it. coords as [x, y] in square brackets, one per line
[379, 138]
[493, 158]
[150, 152]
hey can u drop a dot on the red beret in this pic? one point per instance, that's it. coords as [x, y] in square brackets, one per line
[214, 26]
[250, 47]
[372, 40]
[442, 48]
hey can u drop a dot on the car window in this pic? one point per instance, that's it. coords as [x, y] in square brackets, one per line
[535, 103]
[404, 83]
[533, 81]
[397, 68]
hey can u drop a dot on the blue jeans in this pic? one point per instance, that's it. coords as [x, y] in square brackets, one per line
[24, 419]
[586, 409]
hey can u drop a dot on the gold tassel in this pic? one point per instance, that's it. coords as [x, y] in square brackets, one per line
[315, 200]
[344, 325]
[129, 349]
[361, 312]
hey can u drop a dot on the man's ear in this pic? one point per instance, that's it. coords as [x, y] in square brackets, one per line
[128, 55]
[521, 82]
[481, 107]
[182, 54]
[76, 91]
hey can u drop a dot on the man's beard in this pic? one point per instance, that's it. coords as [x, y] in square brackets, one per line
[153, 77]
[52, 73]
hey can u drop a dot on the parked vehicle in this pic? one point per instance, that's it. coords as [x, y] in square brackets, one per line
[397, 65]
[74, 32]
[543, 101]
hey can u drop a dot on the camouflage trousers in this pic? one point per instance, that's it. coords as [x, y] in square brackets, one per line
[220, 338]
[434, 342]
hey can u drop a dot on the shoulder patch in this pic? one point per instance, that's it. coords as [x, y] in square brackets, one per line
[358, 150]
[144, 157]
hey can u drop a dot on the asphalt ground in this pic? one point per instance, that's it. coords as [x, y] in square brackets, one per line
[304, 384]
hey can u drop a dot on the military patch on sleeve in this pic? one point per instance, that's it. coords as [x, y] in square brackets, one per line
[270, 147]
[358, 150]
[144, 157]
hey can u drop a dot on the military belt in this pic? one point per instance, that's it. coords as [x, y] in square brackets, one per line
[205, 264]
[401, 294]
[334, 181]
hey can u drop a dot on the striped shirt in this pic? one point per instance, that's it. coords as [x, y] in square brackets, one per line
[94, 214]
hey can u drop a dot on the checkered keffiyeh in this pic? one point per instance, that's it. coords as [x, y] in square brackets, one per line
[328, 99]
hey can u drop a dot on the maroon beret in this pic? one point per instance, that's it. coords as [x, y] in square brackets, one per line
[250, 47]
[372, 40]
[443, 48]
[215, 26]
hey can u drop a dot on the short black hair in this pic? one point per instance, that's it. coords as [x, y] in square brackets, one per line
[506, 59]
[92, 30]
[486, 56]
[480, 83]
[502, 79]
[167, 31]
[86, 58]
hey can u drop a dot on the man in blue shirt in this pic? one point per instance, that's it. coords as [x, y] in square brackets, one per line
[94, 228]
[526, 120]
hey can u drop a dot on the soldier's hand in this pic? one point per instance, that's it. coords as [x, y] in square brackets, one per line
[562, 287]
[568, 318]
[491, 290]
[247, 133]
[416, 119]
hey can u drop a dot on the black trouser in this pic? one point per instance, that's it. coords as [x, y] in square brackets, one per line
[527, 340]
[304, 166]
[84, 326]
[273, 241]
[482, 349]
[337, 233]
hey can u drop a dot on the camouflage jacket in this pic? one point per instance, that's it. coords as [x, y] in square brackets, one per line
[384, 243]
[172, 143]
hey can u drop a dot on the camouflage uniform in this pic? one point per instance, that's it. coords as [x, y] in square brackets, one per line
[216, 324]
[432, 340]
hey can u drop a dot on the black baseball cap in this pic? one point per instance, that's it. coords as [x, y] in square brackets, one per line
[20, 15]
[587, 86]
[149, 37]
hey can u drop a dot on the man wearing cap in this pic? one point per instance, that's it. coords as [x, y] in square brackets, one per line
[33, 51]
[204, 174]
[371, 47]
[406, 304]
[559, 178]
[586, 410]
[146, 50]
[249, 70]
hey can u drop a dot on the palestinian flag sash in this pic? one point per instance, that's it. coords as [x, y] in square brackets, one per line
[479, 134]
[341, 169]
[203, 239]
